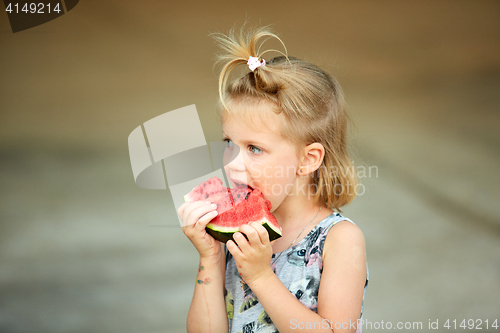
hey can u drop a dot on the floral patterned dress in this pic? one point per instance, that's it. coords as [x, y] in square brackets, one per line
[299, 268]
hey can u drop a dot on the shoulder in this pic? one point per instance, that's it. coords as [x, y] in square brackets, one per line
[343, 237]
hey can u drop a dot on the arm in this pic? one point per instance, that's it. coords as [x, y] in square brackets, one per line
[341, 288]
[343, 279]
[207, 312]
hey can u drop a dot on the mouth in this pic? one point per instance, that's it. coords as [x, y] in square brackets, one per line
[237, 183]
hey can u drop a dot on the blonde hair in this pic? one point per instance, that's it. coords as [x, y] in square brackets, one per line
[309, 100]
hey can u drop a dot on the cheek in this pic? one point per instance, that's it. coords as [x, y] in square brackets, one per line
[275, 182]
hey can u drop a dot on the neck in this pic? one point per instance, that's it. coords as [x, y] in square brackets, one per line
[292, 214]
[297, 223]
[296, 210]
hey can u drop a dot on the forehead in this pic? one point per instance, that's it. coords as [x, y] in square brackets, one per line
[252, 116]
[257, 123]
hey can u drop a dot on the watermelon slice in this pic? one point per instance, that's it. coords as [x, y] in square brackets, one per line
[235, 207]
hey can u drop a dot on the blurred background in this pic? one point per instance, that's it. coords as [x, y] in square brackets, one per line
[83, 249]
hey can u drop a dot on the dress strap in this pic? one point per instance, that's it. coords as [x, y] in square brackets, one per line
[337, 217]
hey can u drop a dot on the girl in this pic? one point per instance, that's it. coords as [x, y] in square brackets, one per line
[286, 121]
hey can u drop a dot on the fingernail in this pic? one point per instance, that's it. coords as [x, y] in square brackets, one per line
[208, 202]
[214, 205]
[215, 212]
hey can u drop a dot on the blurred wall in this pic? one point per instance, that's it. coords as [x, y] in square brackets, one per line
[84, 249]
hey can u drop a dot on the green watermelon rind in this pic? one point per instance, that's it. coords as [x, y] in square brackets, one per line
[223, 234]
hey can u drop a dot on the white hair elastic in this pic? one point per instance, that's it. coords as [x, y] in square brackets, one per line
[253, 63]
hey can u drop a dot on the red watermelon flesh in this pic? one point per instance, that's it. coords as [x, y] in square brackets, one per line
[212, 190]
[238, 206]
[240, 193]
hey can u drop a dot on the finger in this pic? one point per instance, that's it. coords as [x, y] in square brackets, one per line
[201, 213]
[182, 208]
[186, 208]
[262, 232]
[205, 219]
[242, 242]
[196, 210]
[234, 250]
[251, 234]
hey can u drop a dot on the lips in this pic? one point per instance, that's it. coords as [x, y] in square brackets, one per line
[238, 183]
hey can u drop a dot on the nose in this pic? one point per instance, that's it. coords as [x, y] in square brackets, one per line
[234, 164]
[233, 158]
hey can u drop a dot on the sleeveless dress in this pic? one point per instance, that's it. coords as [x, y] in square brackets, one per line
[299, 268]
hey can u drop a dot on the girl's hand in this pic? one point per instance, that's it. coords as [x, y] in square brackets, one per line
[252, 256]
[195, 216]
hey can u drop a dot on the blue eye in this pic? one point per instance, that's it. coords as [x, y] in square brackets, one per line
[255, 150]
[301, 253]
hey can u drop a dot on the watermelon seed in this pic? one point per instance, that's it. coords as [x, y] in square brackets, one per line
[246, 197]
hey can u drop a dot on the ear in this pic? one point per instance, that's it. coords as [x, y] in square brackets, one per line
[312, 158]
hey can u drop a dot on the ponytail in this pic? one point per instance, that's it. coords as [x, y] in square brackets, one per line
[238, 48]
